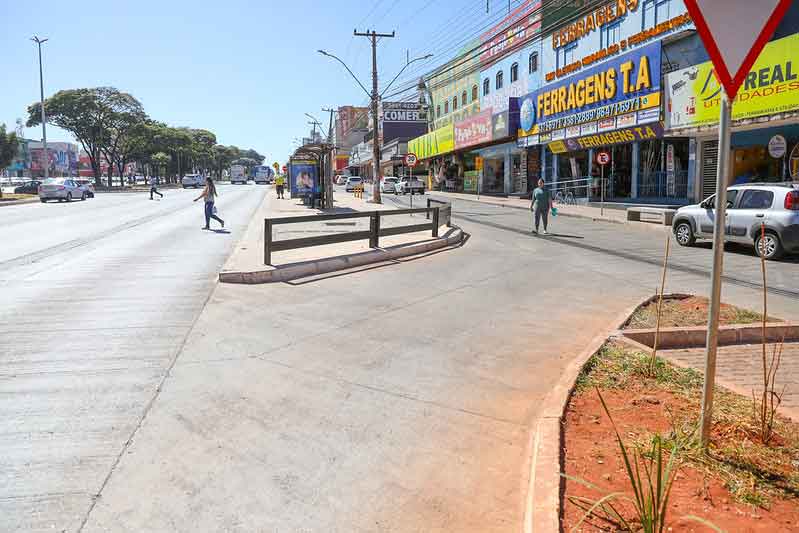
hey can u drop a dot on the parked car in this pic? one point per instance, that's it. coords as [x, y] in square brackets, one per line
[389, 184]
[409, 185]
[30, 187]
[340, 179]
[61, 189]
[86, 185]
[193, 180]
[352, 182]
[748, 206]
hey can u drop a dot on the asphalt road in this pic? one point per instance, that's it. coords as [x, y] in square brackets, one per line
[97, 300]
[397, 397]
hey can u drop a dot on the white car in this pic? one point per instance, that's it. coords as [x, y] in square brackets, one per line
[407, 185]
[389, 184]
[352, 182]
[61, 189]
[193, 180]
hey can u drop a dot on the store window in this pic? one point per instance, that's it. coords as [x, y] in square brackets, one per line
[474, 93]
[500, 77]
[514, 72]
[533, 62]
[654, 12]
[565, 55]
[663, 168]
[455, 103]
[486, 87]
[610, 34]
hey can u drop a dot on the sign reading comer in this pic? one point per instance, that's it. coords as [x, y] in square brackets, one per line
[627, 84]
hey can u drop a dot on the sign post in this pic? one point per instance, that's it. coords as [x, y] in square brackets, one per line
[734, 32]
[602, 159]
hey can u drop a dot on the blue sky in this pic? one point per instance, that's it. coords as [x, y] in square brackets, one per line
[248, 71]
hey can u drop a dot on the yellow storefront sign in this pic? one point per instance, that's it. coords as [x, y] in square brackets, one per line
[772, 86]
[437, 142]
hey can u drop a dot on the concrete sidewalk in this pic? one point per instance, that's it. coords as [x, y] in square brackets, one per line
[614, 215]
[246, 264]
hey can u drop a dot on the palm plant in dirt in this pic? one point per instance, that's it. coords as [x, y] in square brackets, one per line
[651, 474]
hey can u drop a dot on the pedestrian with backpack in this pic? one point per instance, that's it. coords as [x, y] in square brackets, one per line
[209, 194]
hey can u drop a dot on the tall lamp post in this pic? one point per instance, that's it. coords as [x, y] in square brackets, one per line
[374, 97]
[46, 165]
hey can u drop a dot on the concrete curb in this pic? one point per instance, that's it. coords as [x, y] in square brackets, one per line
[343, 262]
[650, 225]
[19, 202]
[543, 503]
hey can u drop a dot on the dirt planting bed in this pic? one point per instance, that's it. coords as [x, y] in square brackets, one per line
[740, 486]
[685, 310]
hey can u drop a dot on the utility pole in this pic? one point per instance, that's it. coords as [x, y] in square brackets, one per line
[373, 35]
[46, 163]
[329, 170]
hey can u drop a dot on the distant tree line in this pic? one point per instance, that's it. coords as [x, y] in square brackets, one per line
[111, 125]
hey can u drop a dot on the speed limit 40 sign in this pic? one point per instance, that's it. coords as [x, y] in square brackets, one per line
[603, 157]
[410, 160]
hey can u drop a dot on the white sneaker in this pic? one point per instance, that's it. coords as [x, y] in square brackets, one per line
[544, 232]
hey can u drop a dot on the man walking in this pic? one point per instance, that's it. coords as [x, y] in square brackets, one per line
[154, 188]
[542, 203]
[280, 183]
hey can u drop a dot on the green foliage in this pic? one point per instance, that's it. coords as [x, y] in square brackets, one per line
[9, 144]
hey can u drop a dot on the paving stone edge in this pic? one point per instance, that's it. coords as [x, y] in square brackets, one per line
[542, 510]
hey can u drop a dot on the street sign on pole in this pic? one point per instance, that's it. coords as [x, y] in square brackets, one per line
[734, 33]
[410, 160]
[602, 159]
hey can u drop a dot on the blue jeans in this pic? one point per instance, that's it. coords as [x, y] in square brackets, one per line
[209, 214]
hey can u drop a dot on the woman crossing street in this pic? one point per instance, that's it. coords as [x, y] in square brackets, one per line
[209, 194]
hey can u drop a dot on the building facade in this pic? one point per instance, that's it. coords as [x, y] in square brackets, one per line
[560, 82]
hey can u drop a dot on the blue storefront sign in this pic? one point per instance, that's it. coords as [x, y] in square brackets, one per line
[619, 93]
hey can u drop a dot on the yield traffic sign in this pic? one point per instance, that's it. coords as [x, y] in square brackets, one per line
[734, 33]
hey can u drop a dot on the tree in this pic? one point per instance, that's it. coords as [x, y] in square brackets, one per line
[9, 144]
[97, 117]
[252, 154]
[124, 114]
[160, 160]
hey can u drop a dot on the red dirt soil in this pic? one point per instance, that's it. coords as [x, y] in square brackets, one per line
[591, 454]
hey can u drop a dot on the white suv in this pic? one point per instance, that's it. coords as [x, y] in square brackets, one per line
[749, 207]
[193, 180]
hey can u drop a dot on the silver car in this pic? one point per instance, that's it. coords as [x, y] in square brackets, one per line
[749, 207]
[352, 183]
[61, 189]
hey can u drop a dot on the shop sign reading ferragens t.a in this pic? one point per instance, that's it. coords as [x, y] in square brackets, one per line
[627, 86]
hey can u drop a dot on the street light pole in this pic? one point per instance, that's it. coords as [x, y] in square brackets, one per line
[46, 165]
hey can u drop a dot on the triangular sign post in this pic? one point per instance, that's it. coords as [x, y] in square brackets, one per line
[734, 33]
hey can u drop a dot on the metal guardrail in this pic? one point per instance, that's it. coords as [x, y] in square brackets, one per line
[373, 234]
[445, 212]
